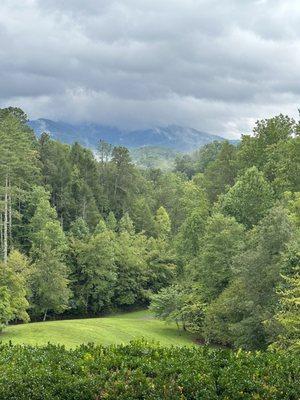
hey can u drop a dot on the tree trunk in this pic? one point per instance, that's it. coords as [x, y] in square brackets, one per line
[9, 214]
[45, 315]
[1, 231]
[5, 222]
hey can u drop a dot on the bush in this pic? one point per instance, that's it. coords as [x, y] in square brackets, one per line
[145, 371]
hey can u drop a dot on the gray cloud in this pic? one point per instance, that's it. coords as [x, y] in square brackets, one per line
[216, 66]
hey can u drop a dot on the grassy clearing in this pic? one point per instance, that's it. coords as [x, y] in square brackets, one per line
[121, 328]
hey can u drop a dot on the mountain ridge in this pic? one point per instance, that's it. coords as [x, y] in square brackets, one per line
[176, 137]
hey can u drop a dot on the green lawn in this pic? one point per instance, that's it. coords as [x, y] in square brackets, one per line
[121, 328]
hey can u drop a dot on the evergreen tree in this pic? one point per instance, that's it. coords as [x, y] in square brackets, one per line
[19, 168]
[162, 223]
[111, 222]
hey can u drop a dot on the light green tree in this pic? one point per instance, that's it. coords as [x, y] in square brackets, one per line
[14, 285]
[49, 279]
[162, 223]
[249, 199]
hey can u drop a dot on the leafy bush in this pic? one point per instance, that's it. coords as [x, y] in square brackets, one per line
[145, 371]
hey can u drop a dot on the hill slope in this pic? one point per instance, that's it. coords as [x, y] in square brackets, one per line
[174, 137]
[116, 329]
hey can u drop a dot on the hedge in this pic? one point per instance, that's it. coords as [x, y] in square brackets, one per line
[143, 370]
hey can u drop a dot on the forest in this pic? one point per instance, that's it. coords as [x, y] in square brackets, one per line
[213, 245]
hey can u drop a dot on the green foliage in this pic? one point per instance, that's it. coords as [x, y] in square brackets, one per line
[99, 233]
[101, 227]
[142, 216]
[249, 199]
[49, 278]
[14, 278]
[126, 224]
[220, 173]
[154, 157]
[289, 315]
[95, 274]
[274, 150]
[222, 241]
[145, 370]
[238, 316]
[79, 229]
[6, 313]
[162, 223]
[179, 304]
[131, 266]
[111, 221]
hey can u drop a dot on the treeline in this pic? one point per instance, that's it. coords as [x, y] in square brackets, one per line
[68, 239]
[240, 249]
[214, 244]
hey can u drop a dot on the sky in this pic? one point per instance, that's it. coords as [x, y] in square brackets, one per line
[216, 66]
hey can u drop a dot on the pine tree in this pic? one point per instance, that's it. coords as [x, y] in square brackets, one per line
[18, 168]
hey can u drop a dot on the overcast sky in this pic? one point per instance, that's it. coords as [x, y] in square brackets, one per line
[213, 65]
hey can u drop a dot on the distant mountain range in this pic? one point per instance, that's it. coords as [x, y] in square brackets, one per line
[88, 134]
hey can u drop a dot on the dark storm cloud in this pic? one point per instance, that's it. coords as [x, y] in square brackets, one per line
[213, 65]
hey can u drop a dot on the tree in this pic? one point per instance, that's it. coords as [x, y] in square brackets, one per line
[122, 180]
[161, 264]
[275, 150]
[131, 269]
[18, 168]
[178, 304]
[249, 199]
[14, 287]
[101, 226]
[104, 151]
[239, 315]
[95, 276]
[6, 313]
[222, 241]
[190, 233]
[50, 290]
[220, 173]
[167, 304]
[289, 315]
[111, 222]
[194, 204]
[162, 223]
[126, 224]
[79, 229]
[267, 134]
[142, 216]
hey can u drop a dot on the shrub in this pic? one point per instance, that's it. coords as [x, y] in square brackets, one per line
[143, 370]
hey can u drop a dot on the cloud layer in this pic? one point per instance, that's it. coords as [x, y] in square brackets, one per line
[213, 65]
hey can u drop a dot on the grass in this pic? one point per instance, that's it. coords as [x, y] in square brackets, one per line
[121, 328]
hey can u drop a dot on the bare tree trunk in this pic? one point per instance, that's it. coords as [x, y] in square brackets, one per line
[115, 188]
[1, 231]
[5, 222]
[84, 209]
[45, 315]
[9, 214]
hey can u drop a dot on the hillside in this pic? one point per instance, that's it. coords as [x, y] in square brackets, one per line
[88, 134]
[154, 157]
[121, 328]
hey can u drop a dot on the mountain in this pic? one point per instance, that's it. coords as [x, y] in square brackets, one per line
[88, 134]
